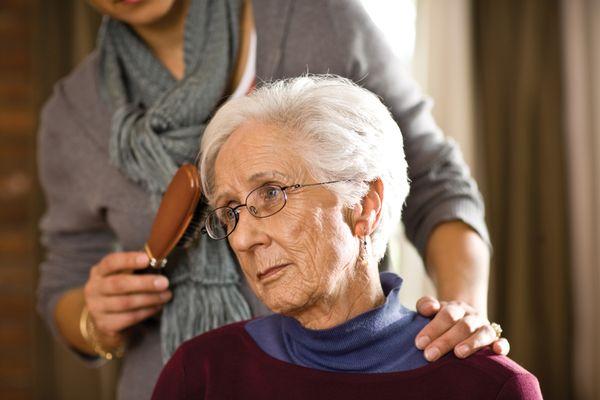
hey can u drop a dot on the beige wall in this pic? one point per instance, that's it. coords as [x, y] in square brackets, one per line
[442, 65]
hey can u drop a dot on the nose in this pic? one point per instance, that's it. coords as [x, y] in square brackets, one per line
[249, 233]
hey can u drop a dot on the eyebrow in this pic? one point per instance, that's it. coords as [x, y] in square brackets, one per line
[261, 175]
[253, 178]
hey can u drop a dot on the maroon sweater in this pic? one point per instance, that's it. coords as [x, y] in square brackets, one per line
[227, 364]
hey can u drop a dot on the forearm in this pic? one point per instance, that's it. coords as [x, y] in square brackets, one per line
[67, 316]
[458, 261]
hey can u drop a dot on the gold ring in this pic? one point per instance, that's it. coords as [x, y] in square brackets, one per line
[497, 328]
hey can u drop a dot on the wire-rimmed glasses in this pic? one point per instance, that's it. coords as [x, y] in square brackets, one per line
[262, 202]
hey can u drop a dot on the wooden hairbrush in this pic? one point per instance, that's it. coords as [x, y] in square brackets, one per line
[178, 218]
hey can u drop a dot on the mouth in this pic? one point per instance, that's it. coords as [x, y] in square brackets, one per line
[271, 271]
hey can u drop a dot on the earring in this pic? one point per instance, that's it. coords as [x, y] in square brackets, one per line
[363, 245]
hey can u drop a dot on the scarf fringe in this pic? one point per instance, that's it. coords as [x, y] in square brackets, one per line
[157, 126]
[198, 308]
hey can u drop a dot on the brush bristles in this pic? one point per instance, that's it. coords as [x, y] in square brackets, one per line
[194, 228]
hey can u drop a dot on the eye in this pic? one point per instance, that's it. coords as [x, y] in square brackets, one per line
[226, 217]
[270, 193]
[265, 201]
[229, 214]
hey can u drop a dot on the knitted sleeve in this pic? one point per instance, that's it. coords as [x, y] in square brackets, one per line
[74, 236]
[442, 188]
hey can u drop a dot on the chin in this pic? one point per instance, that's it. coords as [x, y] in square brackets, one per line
[283, 299]
[284, 293]
[135, 12]
[283, 306]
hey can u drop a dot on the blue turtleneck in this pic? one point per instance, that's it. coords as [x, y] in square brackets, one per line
[380, 340]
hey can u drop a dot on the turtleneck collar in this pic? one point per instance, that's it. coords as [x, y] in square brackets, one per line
[379, 340]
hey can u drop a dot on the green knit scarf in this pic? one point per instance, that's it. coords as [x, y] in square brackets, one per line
[157, 126]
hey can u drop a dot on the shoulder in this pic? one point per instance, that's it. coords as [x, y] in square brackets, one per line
[75, 102]
[337, 22]
[495, 365]
[217, 342]
[511, 379]
[201, 361]
[333, 10]
[75, 107]
[316, 36]
[69, 91]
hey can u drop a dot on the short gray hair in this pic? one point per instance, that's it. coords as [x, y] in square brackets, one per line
[344, 132]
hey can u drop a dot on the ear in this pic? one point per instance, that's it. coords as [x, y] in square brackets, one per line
[367, 215]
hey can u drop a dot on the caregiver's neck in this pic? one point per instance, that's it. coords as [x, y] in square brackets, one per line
[165, 37]
[353, 295]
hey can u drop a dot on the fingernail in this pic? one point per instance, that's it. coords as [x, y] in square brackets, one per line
[422, 342]
[161, 283]
[432, 353]
[462, 350]
[142, 259]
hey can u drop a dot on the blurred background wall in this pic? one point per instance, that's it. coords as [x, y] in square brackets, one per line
[514, 82]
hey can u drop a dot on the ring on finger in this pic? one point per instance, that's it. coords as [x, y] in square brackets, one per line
[497, 329]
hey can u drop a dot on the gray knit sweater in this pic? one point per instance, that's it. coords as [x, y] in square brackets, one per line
[92, 209]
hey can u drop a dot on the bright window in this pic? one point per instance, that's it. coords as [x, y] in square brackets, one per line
[397, 19]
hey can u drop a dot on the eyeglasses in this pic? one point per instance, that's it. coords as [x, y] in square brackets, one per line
[261, 202]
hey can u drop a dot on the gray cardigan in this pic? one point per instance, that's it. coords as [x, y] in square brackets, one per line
[92, 209]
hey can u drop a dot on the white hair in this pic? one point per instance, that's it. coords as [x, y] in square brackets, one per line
[343, 132]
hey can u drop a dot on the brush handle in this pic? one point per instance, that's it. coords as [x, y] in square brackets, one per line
[174, 215]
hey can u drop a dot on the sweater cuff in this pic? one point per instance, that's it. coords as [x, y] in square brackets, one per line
[464, 210]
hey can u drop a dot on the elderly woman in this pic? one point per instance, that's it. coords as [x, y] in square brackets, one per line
[307, 185]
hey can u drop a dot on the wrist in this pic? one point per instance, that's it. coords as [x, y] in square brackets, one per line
[468, 296]
[107, 349]
[458, 262]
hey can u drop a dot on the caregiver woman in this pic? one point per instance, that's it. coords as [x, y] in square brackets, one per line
[115, 130]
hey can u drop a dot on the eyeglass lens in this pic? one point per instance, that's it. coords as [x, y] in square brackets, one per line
[262, 202]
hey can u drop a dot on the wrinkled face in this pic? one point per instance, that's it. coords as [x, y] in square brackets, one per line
[306, 252]
[137, 12]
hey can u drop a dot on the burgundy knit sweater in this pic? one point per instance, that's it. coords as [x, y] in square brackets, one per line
[228, 364]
